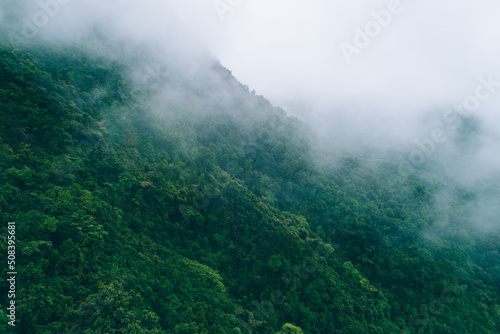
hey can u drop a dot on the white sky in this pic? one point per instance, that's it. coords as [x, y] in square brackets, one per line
[430, 54]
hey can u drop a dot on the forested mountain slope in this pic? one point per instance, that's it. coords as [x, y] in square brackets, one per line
[154, 198]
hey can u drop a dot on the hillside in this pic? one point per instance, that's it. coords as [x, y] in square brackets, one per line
[155, 198]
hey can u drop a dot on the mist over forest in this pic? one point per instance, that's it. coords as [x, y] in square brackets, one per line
[245, 167]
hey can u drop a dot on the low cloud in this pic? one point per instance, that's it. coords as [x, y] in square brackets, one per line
[410, 71]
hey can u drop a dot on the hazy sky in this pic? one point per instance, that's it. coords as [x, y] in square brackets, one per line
[429, 52]
[316, 57]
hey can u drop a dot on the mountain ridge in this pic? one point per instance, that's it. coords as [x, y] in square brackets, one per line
[183, 203]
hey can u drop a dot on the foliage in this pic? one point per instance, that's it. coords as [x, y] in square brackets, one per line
[185, 204]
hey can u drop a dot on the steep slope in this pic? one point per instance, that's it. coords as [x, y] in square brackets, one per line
[158, 198]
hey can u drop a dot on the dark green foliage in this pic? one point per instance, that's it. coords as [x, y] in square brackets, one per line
[203, 209]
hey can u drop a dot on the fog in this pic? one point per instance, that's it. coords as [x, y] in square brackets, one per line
[405, 76]
[316, 59]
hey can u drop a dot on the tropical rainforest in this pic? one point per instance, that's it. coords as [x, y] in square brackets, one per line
[151, 197]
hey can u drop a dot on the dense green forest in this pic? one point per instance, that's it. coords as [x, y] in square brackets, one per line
[153, 199]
